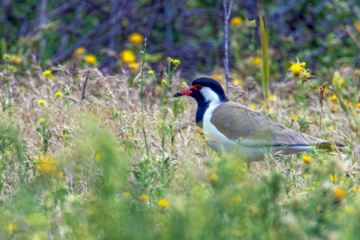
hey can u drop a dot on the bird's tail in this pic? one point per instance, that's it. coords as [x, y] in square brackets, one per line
[329, 146]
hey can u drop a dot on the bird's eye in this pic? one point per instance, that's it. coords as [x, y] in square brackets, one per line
[198, 87]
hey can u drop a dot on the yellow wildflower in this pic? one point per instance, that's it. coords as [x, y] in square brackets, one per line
[212, 177]
[331, 128]
[80, 51]
[256, 61]
[16, 59]
[183, 83]
[126, 194]
[41, 102]
[90, 59]
[143, 197]
[303, 64]
[136, 38]
[164, 203]
[358, 105]
[272, 97]
[253, 107]
[151, 72]
[163, 81]
[7, 152]
[356, 189]
[339, 193]
[133, 65]
[236, 21]
[176, 62]
[217, 77]
[333, 178]
[293, 117]
[306, 159]
[11, 68]
[11, 227]
[48, 74]
[333, 97]
[296, 68]
[357, 26]
[6, 56]
[128, 56]
[291, 96]
[42, 120]
[47, 164]
[58, 94]
[127, 135]
[98, 156]
[237, 81]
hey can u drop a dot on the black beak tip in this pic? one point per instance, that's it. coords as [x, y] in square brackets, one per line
[177, 95]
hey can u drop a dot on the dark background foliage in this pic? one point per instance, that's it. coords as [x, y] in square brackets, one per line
[190, 30]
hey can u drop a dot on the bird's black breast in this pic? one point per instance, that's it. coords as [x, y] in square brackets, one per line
[200, 113]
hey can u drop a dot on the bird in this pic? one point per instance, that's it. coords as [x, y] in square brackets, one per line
[230, 127]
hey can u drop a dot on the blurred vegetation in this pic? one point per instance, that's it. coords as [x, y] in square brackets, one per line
[92, 146]
[189, 30]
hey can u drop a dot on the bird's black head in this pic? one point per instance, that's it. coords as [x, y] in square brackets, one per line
[205, 90]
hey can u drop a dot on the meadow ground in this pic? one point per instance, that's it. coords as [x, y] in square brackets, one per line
[81, 169]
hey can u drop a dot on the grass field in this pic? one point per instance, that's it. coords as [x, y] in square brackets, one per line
[81, 169]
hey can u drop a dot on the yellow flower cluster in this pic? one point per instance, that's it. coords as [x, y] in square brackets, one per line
[299, 69]
[58, 94]
[12, 58]
[48, 74]
[47, 164]
[128, 56]
[256, 61]
[333, 178]
[357, 26]
[126, 194]
[164, 203]
[90, 59]
[136, 38]
[237, 81]
[236, 21]
[306, 159]
[333, 98]
[293, 117]
[151, 72]
[339, 193]
[80, 51]
[144, 198]
[41, 102]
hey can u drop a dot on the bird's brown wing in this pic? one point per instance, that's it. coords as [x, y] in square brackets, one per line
[252, 128]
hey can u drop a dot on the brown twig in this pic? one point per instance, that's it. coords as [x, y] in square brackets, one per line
[84, 86]
[352, 36]
[227, 13]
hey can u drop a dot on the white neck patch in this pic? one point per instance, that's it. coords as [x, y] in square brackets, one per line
[209, 95]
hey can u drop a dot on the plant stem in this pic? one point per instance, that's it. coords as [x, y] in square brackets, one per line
[264, 62]
[227, 13]
[142, 97]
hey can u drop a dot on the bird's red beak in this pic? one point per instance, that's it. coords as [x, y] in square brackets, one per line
[182, 93]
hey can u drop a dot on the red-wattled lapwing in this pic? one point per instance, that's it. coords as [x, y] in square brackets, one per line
[230, 126]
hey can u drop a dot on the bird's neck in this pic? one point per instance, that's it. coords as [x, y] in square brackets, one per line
[204, 106]
[208, 99]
